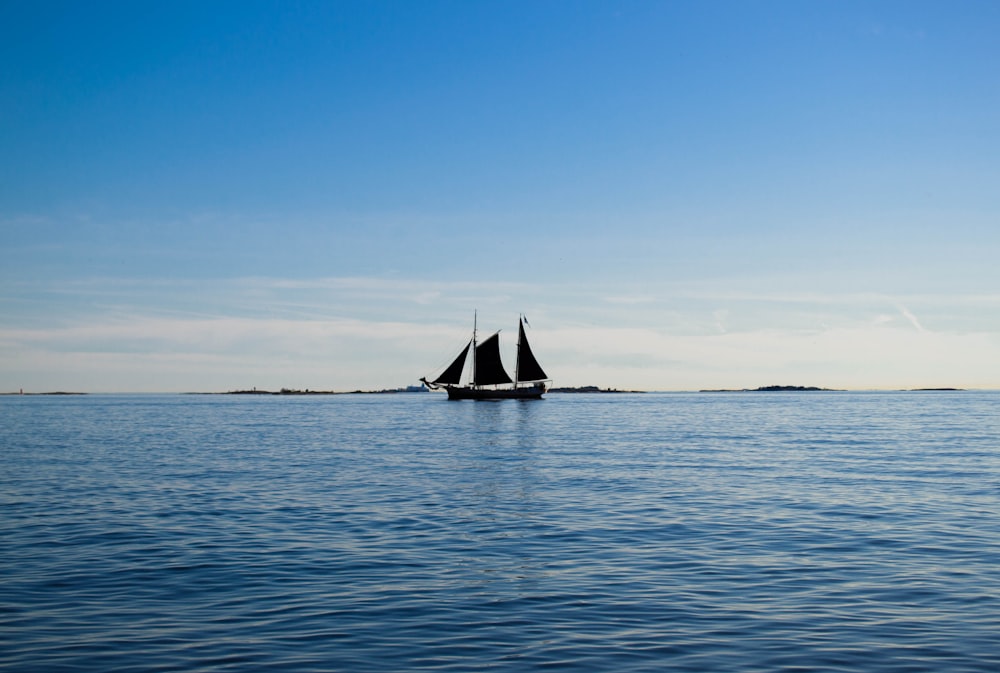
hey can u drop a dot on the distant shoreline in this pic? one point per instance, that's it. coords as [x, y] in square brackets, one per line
[774, 389]
[55, 392]
[293, 391]
[560, 390]
[813, 389]
[409, 389]
[591, 389]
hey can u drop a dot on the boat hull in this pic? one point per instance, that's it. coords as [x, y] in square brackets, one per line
[468, 393]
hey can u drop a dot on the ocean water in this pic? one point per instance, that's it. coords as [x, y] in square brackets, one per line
[658, 532]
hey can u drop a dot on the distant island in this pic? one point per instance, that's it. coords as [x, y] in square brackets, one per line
[808, 389]
[590, 389]
[56, 392]
[774, 389]
[294, 391]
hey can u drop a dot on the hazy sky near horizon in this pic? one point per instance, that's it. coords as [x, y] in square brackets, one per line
[679, 195]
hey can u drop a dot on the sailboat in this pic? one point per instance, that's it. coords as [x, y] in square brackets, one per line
[487, 374]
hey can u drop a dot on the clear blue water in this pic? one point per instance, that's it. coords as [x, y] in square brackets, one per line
[681, 532]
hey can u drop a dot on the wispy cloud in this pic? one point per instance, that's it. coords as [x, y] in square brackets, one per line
[912, 318]
[720, 316]
[630, 300]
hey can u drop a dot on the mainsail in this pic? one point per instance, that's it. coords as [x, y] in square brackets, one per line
[489, 368]
[528, 368]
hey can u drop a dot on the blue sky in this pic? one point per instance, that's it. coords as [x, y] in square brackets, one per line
[679, 195]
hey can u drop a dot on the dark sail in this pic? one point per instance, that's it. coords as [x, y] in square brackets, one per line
[528, 368]
[489, 368]
[453, 374]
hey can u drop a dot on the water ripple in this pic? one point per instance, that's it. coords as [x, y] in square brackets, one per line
[825, 532]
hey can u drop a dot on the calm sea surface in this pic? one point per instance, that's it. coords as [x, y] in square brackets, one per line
[660, 532]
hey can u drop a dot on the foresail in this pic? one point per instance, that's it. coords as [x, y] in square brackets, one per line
[528, 368]
[453, 374]
[489, 368]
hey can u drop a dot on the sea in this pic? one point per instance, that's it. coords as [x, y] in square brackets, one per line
[737, 532]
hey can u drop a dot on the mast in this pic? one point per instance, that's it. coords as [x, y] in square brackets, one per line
[472, 371]
[517, 362]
